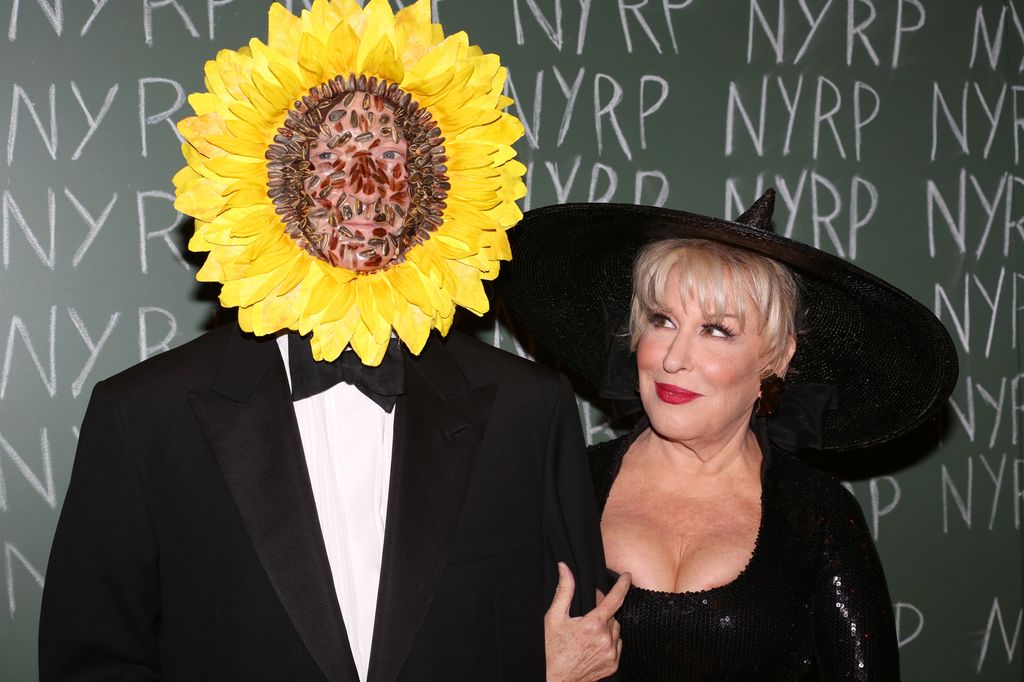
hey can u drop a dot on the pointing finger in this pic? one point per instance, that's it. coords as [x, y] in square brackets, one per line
[613, 601]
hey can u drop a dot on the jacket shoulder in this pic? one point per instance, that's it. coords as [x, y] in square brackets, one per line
[485, 363]
[188, 366]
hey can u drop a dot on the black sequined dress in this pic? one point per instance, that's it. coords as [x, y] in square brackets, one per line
[813, 591]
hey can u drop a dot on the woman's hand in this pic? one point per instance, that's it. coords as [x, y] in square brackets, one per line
[586, 648]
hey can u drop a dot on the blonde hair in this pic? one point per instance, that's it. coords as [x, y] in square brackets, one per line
[722, 279]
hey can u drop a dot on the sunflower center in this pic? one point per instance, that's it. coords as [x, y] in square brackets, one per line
[358, 173]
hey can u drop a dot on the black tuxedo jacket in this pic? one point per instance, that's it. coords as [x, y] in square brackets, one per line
[188, 547]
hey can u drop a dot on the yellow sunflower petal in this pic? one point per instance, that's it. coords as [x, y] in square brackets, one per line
[264, 272]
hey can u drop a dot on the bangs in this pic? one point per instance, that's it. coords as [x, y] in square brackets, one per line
[724, 281]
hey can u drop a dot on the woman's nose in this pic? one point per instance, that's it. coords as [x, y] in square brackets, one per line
[677, 355]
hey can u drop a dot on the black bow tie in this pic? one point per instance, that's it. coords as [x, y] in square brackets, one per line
[381, 384]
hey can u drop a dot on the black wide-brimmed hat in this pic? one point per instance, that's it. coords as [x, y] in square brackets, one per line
[890, 361]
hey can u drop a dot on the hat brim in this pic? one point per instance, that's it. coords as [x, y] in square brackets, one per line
[890, 360]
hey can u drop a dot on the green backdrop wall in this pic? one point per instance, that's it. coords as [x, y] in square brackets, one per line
[892, 130]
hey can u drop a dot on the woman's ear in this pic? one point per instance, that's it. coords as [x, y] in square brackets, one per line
[785, 357]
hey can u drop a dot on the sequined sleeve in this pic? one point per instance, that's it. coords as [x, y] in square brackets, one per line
[855, 635]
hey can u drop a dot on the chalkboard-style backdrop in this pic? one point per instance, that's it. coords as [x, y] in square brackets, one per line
[892, 130]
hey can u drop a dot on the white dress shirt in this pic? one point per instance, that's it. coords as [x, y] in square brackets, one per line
[347, 439]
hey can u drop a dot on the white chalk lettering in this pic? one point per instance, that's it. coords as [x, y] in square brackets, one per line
[167, 115]
[553, 30]
[638, 187]
[966, 420]
[94, 347]
[570, 93]
[602, 109]
[147, 18]
[1016, 408]
[95, 224]
[612, 177]
[861, 16]
[992, 42]
[18, 95]
[898, 609]
[11, 554]
[821, 116]
[93, 121]
[995, 617]
[902, 28]
[1016, 306]
[562, 189]
[997, 479]
[211, 6]
[634, 9]
[48, 375]
[646, 111]
[878, 510]
[789, 102]
[97, 6]
[963, 506]
[828, 114]
[735, 104]
[989, 202]
[775, 37]
[531, 128]
[146, 347]
[44, 486]
[993, 110]
[855, 29]
[668, 8]
[164, 233]
[54, 13]
[964, 494]
[12, 210]
[826, 206]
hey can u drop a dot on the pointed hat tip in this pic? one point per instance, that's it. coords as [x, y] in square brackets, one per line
[760, 213]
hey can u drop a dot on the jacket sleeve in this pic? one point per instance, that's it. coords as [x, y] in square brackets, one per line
[101, 603]
[572, 533]
[855, 634]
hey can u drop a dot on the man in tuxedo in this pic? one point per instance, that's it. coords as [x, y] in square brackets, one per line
[369, 501]
[189, 545]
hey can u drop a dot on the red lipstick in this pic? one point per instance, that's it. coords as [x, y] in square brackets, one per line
[675, 395]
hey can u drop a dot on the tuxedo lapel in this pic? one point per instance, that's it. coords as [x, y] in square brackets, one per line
[438, 427]
[249, 422]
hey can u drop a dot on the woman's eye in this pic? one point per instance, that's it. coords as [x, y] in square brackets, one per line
[390, 155]
[718, 329]
[659, 320]
[325, 156]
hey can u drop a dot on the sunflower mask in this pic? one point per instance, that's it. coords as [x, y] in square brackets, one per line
[351, 177]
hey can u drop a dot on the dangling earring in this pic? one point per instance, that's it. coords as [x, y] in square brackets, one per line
[772, 387]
